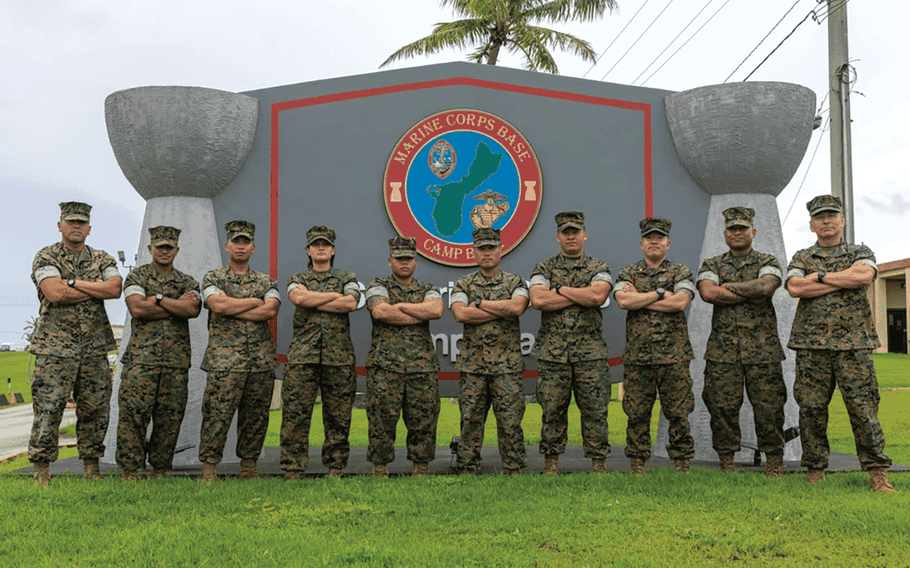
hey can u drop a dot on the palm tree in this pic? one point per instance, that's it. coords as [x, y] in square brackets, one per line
[492, 24]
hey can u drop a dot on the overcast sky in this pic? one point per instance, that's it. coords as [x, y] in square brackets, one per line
[60, 59]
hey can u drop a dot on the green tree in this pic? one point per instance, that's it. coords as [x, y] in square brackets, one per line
[29, 330]
[493, 24]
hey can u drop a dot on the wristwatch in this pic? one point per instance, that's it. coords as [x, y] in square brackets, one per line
[660, 293]
[158, 298]
[477, 302]
[556, 289]
[71, 282]
[821, 276]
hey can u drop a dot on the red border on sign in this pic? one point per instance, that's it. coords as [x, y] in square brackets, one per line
[399, 163]
[278, 108]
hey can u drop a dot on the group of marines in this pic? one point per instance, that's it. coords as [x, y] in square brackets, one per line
[833, 335]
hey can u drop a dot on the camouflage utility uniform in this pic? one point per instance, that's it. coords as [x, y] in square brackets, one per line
[320, 358]
[656, 360]
[490, 363]
[70, 344]
[240, 362]
[744, 347]
[572, 357]
[402, 377]
[834, 336]
[153, 385]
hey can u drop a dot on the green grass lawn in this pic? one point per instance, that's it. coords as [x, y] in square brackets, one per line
[14, 365]
[892, 370]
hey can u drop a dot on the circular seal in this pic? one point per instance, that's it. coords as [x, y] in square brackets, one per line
[456, 171]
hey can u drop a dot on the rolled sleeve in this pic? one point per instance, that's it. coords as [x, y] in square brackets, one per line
[209, 292]
[710, 275]
[377, 292]
[795, 273]
[432, 295]
[540, 280]
[520, 292]
[110, 272]
[133, 290]
[458, 297]
[351, 289]
[871, 263]
[602, 277]
[291, 286]
[770, 271]
[46, 272]
[686, 285]
[272, 293]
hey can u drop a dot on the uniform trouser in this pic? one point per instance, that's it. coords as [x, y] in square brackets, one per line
[249, 394]
[156, 394]
[415, 396]
[298, 395]
[723, 396]
[89, 380]
[818, 373]
[477, 394]
[641, 385]
[590, 381]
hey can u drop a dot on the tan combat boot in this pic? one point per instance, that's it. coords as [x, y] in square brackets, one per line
[421, 468]
[292, 475]
[248, 469]
[879, 481]
[638, 466]
[157, 473]
[381, 471]
[42, 474]
[681, 465]
[129, 475]
[815, 475]
[335, 472]
[772, 466]
[598, 465]
[209, 472]
[726, 463]
[551, 464]
[91, 469]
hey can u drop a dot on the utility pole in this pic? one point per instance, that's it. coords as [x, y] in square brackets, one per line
[839, 76]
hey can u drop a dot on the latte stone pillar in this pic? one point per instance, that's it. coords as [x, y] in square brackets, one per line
[180, 147]
[741, 143]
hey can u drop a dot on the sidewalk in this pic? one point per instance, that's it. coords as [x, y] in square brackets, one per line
[16, 427]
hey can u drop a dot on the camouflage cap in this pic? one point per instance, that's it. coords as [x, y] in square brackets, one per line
[824, 203]
[403, 247]
[239, 229]
[486, 236]
[738, 217]
[570, 220]
[320, 232]
[655, 225]
[75, 211]
[164, 235]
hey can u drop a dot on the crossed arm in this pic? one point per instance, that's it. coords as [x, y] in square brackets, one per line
[732, 293]
[858, 275]
[57, 291]
[489, 310]
[186, 306]
[405, 313]
[332, 302]
[628, 298]
[250, 309]
[548, 300]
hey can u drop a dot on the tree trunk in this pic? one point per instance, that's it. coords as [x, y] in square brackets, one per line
[494, 53]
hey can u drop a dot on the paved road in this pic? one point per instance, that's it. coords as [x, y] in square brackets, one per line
[16, 426]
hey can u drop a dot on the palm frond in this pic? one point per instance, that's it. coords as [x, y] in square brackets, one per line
[458, 34]
[569, 10]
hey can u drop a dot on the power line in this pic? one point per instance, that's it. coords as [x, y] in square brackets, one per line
[614, 39]
[673, 41]
[684, 44]
[762, 40]
[808, 167]
[637, 40]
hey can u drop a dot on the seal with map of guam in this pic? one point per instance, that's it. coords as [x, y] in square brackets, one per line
[456, 171]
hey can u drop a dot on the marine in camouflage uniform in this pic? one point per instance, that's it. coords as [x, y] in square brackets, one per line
[834, 335]
[569, 289]
[402, 369]
[153, 386]
[240, 359]
[655, 292]
[744, 347]
[320, 358]
[71, 340]
[489, 303]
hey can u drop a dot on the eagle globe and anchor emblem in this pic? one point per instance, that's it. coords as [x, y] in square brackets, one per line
[448, 162]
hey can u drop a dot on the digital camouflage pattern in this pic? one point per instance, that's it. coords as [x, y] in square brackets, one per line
[401, 348]
[590, 382]
[153, 393]
[655, 225]
[673, 383]
[822, 203]
[656, 338]
[323, 337]
[574, 333]
[161, 342]
[298, 395]
[743, 333]
[75, 211]
[723, 396]
[570, 220]
[841, 320]
[492, 347]
[164, 235]
[504, 392]
[413, 396]
[247, 393]
[89, 380]
[818, 374]
[73, 330]
[236, 344]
